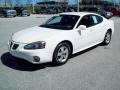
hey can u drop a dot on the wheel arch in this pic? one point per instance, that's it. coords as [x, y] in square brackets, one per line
[69, 43]
[110, 30]
[64, 41]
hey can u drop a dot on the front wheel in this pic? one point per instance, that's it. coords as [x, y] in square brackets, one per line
[61, 54]
[14, 16]
[107, 38]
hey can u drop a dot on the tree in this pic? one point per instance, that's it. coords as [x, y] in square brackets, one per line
[28, 1]
[91, 2]
[18, 2]
[10, 3]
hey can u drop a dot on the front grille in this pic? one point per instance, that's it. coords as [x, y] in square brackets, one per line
[15, 46]
[25, 12]
[11, 43]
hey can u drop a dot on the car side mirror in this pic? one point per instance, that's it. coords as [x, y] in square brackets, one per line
[82, 27]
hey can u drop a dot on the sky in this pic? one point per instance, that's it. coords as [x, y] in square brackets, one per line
[75, 1]
[70, 1]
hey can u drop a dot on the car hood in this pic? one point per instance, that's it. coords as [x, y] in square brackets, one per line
[9, 10]
[35, 34]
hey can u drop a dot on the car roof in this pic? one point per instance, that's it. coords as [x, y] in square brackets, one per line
[78, 13]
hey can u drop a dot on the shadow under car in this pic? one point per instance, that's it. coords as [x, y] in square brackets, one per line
[22, 65]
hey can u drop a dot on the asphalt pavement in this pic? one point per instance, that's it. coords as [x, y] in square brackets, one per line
[97, 68]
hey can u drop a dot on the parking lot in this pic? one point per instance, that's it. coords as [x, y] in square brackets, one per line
[95, 69]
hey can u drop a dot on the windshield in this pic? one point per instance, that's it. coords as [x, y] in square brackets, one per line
[63, 22]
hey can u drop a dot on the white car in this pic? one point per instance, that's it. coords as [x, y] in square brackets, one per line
[60, 36]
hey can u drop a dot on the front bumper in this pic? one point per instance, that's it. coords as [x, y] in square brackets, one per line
[25, 14]
[29, 55]
[11, 14]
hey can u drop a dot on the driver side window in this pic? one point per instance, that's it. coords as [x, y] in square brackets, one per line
[86, 20]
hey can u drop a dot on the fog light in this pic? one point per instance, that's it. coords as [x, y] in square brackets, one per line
[36, 59]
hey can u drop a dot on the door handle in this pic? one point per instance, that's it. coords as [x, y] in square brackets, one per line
[91, 30]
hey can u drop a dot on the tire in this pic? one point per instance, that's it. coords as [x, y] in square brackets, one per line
[107, 38]
[5, 16]
[14, 16]
[61, 54]
[21, 14]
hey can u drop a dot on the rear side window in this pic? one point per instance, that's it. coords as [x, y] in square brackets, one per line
[99, 19]
[96, 19]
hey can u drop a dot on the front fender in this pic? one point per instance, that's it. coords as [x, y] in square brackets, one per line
[52, 43]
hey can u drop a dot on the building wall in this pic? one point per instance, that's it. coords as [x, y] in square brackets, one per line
[58, 0]
[90, 1]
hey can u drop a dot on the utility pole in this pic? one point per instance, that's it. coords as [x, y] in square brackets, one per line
[33, 5]
[92, 2]
[5, 3]
[78, 2]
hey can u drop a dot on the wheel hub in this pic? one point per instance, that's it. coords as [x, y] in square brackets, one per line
[108, 37]
[62, 54]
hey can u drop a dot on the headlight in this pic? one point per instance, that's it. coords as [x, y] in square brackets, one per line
[35, 45]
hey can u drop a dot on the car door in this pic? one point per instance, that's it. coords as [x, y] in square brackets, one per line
[84, 38]
[97, 28]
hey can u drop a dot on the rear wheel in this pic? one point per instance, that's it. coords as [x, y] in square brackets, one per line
[61, 54]
[107, 38]
[21, 14]
[5, 15]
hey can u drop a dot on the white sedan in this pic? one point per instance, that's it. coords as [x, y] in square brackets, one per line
[60, 36]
